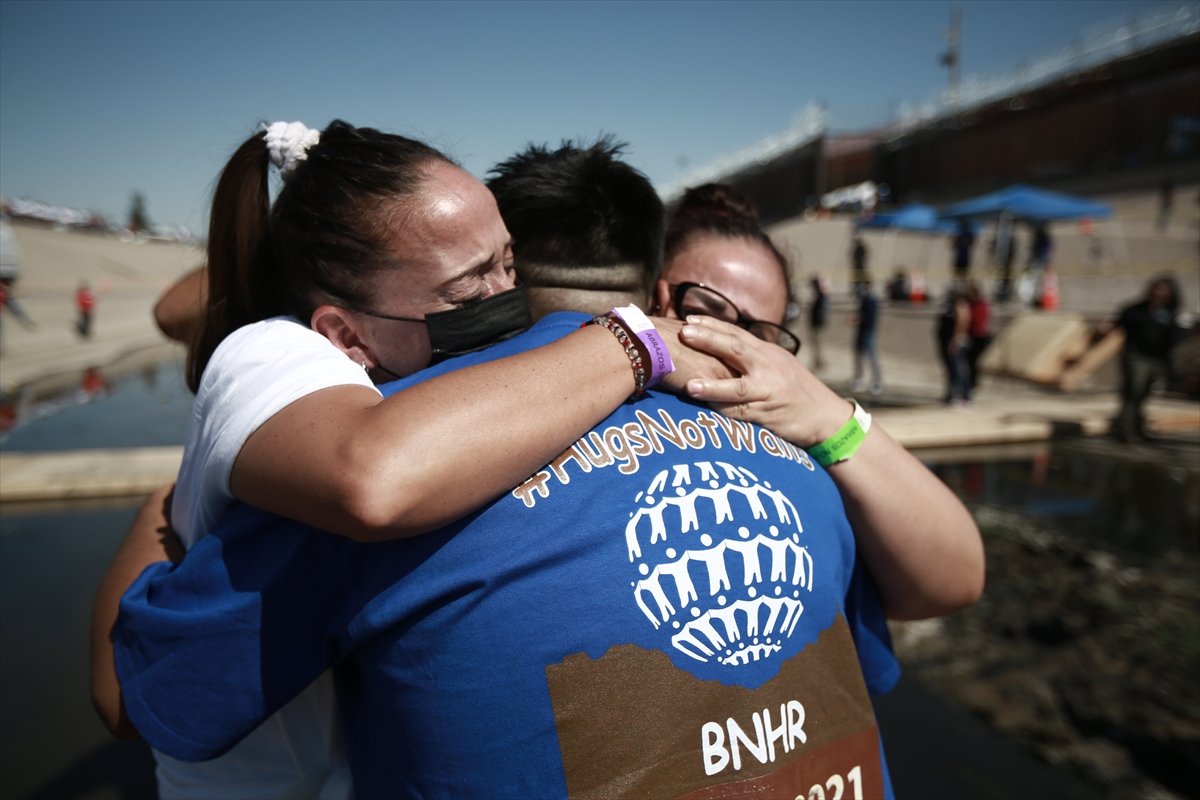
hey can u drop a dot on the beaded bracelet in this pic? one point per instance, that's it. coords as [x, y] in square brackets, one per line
[631, 350]
[655, 349]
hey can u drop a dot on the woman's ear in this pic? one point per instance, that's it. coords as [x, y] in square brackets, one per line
[661, 299]
[345, 331]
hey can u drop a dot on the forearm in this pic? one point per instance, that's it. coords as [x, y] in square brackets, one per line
[149, 541]
[919, 542]
[479, 432]
[436, 451]
[179, 310]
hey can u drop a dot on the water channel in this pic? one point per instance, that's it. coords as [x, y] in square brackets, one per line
[51, 557]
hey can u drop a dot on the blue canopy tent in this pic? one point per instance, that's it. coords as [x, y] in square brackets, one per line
[1021, 202]
[914, 218]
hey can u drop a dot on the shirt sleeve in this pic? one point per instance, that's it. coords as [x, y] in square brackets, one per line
[207, 650]
[256, 372]
[868, 626]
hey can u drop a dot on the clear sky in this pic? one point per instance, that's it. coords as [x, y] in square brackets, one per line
[100, 99]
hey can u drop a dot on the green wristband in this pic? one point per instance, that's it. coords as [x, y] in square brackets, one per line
[846, 441]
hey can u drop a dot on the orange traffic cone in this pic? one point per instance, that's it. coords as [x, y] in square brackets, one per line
[1050, 298]
[916, 288]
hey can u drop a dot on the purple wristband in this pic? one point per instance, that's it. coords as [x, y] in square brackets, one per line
[640, 326]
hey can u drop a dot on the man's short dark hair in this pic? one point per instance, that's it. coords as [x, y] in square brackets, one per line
[577, 208]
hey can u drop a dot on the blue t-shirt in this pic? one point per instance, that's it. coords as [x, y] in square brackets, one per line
[668, 609]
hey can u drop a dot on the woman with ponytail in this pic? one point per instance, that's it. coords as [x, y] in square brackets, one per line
[378, 255]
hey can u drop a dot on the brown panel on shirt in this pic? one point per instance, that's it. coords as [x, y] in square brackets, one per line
[631, 724]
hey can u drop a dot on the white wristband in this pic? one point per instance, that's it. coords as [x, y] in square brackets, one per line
[640, 326]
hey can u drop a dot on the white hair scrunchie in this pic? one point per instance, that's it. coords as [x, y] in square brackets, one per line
[288, 143]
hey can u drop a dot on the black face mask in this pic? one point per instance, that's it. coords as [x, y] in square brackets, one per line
[473, 326]
[476, 325]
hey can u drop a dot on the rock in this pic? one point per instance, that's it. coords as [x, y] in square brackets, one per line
[1087, 660]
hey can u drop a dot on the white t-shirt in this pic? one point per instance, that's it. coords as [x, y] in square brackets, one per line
[254, 373]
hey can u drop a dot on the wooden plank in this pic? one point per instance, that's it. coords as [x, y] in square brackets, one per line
[1036, 346]
[1095, 357]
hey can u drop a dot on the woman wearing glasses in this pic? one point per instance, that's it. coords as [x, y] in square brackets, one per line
[728, 280]
[718, 262]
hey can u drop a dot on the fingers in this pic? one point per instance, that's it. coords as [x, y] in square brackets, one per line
[690, 362]
[692, 365]
[666, 326]
[719, 339]
[738, 411]
[698, 323]
[736, 391]
[698, 360]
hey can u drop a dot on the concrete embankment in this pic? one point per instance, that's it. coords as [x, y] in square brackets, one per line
[129, 276]
[131, 472]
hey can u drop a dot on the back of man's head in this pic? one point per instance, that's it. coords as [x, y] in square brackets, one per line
[587, 228]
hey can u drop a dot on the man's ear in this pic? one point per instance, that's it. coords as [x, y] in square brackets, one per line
[661, 298]
[344, 330]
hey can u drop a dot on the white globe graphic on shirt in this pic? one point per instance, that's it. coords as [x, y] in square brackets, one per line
[718, 560]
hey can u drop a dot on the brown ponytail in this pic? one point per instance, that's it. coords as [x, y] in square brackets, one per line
[237, 235]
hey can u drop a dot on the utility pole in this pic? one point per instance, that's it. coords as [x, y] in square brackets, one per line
[952, 59]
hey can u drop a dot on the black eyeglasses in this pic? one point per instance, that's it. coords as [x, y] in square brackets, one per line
[696, 298]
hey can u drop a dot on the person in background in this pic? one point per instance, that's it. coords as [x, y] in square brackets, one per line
[962, 244]
[1003, 247]
[1040, 248]
[1151, 330]
[897, 287]
[979, 332]
[953, 342]
[1005, 286]
[10, 270]
[866, 323]
[85, 304]
[1166, 200]
[10, 305]
[858, 258]
[818, 318]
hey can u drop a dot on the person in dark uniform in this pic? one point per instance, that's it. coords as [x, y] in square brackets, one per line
[1151, 331]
